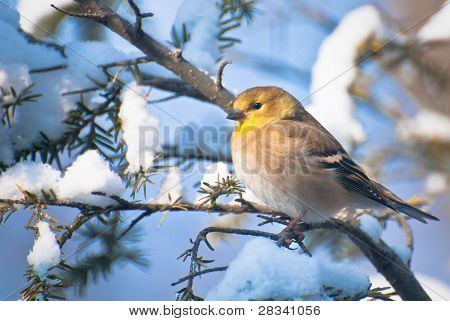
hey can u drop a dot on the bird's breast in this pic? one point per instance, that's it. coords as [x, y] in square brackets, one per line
[274, 168]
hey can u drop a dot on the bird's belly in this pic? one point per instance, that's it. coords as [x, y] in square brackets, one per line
[314, 199]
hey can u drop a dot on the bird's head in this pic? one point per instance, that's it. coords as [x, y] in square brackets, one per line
[259, 106]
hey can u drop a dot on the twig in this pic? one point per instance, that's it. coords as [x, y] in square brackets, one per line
[271, 219]
[81, 91]
[47, 69]
[134, 222]
[139, 15]
[169, 151]
[173, 85]
[188, 293]
[75, 225]
[32, 39]
[128, 62]
[96, 16]
[206, 271]
[174, 96]
[219, 85]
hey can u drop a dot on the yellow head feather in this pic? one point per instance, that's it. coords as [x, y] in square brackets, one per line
[260, 106]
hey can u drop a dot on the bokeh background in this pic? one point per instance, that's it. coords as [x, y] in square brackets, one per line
[279, 47]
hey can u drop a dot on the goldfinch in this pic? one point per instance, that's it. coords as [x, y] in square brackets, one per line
[294, 165]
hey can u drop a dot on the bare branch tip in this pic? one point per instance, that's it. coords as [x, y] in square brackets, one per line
[139, 15]
[88, 15]
[219, 85]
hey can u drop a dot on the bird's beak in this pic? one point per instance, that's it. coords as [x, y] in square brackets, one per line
[236, 115]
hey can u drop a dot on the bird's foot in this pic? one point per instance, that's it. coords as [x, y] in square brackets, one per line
[293, 233]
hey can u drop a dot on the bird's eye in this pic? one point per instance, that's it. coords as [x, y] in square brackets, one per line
[256, 106]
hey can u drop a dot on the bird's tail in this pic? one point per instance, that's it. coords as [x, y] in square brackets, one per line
[413, 212]
[397, 204]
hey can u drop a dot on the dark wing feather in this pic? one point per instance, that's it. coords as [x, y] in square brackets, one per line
[353, 178]
[328, 153]
[320, 145]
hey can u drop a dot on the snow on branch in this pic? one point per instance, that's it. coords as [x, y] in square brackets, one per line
[264, 271]
[382, 257]
[385, 260]
[89, 173]
[140, 128]
[45, 253]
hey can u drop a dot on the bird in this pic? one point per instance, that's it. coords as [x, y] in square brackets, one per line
[294, 165]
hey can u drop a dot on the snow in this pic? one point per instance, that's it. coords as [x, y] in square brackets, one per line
[90, 173]
[46, 252]
[370, 226]
[215, 172]
[438, 26]
[333, 73]
[30, 176]
[264, 271]
[403, 251]
[140, 129]
[32, 13]
[436, 183]
[50, 110]
[13, 75]
[201, 19]
[48, 113]
[425, 125]
[172, 184]
[83, 59]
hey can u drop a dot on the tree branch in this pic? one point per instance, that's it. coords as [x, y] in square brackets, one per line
[387, 262]
[197, 262]
[98, 17]
[185, 278]
[174, 85]
[124, 205]
[139, 15]
[127, 62]
[97, 11]
[79, 220]
[169, 151]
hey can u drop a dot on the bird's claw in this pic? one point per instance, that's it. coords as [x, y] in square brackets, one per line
[292, 234]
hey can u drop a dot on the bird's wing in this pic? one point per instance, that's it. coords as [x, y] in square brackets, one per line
[324, 151]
